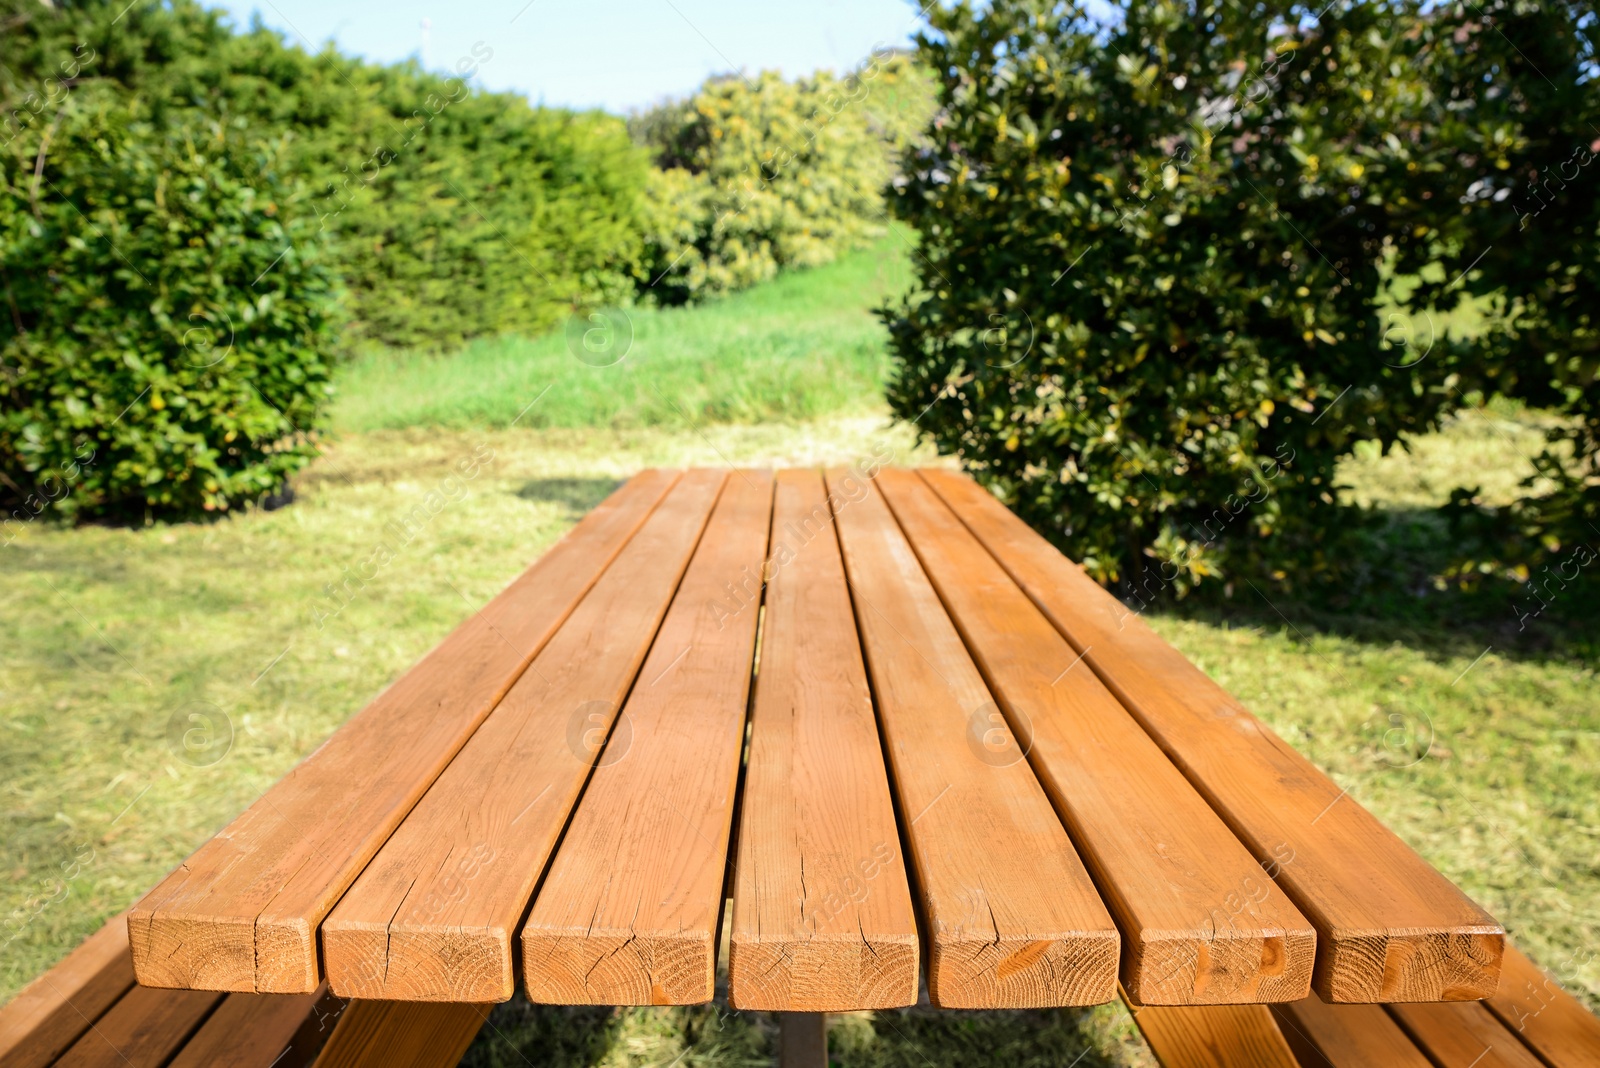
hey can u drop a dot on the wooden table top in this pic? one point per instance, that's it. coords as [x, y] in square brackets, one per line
[873, 708]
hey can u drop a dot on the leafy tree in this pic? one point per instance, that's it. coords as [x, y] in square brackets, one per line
[1503, 173]
[759, 173]
[1155, 304]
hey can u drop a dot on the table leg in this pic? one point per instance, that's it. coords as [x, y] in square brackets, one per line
[802, 1040]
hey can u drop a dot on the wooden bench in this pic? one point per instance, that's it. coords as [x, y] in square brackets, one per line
[893, 724]
[87, 1012]
[1531, 1023]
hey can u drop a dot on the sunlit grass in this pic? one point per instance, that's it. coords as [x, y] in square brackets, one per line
[802, 346]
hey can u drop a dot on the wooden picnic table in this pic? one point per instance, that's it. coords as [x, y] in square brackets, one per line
[906, 736]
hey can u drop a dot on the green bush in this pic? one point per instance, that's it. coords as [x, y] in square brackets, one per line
[1155, 304]
[168, 338]
[1503, 170]
[1107, 330]
[760, 174]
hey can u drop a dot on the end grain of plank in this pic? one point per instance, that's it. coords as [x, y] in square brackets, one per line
[142, 1030]
[1012, 918]
[1463, 1035]
[241, 914]
[822, 914]
[1552, 1022]
[1389, 927]
[432, 917]
[1346, 1036]
[50, 1013]
[629, 912]
[1201, 923]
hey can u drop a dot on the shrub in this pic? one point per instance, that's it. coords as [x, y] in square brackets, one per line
[760, 174]
[1153, 303]
[167, 340]
[1503, 169]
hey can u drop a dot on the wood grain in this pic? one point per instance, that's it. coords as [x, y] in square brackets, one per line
[251, 1031]
[1550, 1021]
[1213, 1036]
[432, 917]
[629, 912]
[1010, 915]
[142, 1030]
[50, 1013]
[241, 914]
[1389, 927]
[1463, 1035]
[1346, 1036]
[1201, 923]
[402, 1034]
[822, 914]
[315, 1030]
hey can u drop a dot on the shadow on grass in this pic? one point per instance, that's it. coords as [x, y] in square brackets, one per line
[578, 496]
[1391, 593]
[713, 1036]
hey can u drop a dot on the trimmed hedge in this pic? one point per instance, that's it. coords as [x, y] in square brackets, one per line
[456, 213]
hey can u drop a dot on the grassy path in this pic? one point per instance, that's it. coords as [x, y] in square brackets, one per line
[800, 347]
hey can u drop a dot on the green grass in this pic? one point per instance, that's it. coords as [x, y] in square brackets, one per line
[1488, 768]
[802, 346]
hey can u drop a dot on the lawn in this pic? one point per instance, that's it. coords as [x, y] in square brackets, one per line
[1479, 745]
[796, 348]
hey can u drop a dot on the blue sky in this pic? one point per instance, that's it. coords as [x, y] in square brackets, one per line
[615, 54]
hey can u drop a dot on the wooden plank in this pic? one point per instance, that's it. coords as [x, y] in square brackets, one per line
[822, 914]
[1463, 1035]
[142, 1030]
[402, 1034]
[1346, 1036]
[1550, 1021]
[432, 917]
[1201, 923]
[1389, 927]
[1011, 917]
[241, 914]
[1213, 1036]
[314, 1032]
[252, 1031]
[50, 1013]
[629, 912]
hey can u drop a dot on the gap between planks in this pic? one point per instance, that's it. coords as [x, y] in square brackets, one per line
[1011, 917]
[630, 910]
